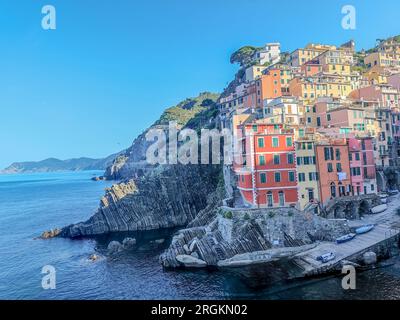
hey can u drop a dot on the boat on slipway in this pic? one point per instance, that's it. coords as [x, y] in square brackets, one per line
[364, 229]
[345, 238]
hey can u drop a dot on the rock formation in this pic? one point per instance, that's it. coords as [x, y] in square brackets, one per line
[234, 232]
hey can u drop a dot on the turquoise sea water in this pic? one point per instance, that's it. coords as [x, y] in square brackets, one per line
[32, 203]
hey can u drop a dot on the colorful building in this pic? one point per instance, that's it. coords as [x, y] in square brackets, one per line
[267, 177]
[307, 173]
[333, 166]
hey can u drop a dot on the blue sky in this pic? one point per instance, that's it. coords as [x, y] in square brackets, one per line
[111, 67]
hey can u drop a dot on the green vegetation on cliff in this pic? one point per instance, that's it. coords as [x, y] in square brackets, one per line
[186, 110]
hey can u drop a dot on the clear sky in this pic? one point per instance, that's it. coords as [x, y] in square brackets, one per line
[111, 67]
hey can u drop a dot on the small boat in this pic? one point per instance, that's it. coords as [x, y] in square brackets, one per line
[379, 209]
[383, 195]
[324, 258]
[393, 192]
[384, 200]
[364, 229]
[345, 238]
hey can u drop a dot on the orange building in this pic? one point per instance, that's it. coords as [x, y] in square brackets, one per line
[267, 178]
[333, 165]
[272, 84]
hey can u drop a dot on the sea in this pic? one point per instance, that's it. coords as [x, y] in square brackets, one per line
[33, 203]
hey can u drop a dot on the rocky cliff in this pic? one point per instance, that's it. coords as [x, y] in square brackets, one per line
[232, 232]
[150, 197]
[168, 196]
[195, 113]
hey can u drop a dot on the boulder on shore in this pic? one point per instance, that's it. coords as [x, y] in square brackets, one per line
[129, 243]
[50, 234]
[190, 261]
[114, 247]
[369, 258]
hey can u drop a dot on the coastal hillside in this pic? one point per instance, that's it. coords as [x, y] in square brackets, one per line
[194, 113]
[152, 197]
[55, 165]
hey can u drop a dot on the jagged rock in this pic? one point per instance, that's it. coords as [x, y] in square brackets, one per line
[190, 261]
[128, 243]
[186, 248]
[50, 234]
[168, 197]
[258, 257]
[114, 247]
[369, 258]
[251, 230]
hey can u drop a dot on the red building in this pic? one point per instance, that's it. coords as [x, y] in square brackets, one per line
[267, 178]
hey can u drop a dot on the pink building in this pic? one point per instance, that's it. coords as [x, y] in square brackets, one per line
[394, 81]
[386, 95]
[368, 165]
[362, 165]
[347, 117]
[357, 186]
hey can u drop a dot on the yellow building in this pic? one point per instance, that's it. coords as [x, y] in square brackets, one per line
[307, 175]
[300, 56]
[382, 59]
[254, 72]
[319, 86]
[376, 75]
[341, 69]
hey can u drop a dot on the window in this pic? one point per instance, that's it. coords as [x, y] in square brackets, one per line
[337, 154]
[309, 145]
[290, 158]
[338, 167]
[333, 190]
[302, 177]
[318, 121]
[262, 160]
[263, 177]
[275, 142]
[281, 198]
[291, 176]
[313, 176]
[306, 160]
[277, 159]
[330, 167]
[270, 199]
[310, 194]
[357, 156]
[254, 128]
[289, 141]
[277, 177]
[328, 153]
[261, 142]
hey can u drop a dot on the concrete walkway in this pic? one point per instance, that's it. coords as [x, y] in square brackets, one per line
[387, 225]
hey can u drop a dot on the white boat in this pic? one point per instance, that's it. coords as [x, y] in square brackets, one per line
[384, 200]
[345, 238]
[324, 258]
[364, 229]
[379, 209]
